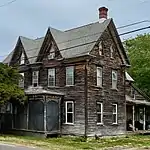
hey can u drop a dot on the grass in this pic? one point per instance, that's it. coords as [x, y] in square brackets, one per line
[76, 143]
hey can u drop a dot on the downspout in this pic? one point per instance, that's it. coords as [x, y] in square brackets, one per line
[86, 100]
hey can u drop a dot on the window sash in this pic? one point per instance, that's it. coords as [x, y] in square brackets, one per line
[69, 112]
[100, 113]
[51, 77]
[114, 79]
[115, 113]
[70, 75]
[35, 77]
[99, 76]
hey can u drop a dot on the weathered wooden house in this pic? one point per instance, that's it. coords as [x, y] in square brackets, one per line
[75, 81]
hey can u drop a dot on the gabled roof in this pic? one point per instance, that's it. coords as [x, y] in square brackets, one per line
[31, 47]
[71, 43]
[78, 41]
[8, 58]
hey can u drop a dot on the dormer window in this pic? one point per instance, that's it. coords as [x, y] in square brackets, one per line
[100, 46]
[111, 51]
[22, 61]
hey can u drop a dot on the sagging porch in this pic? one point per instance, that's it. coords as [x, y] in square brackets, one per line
[137, 115]
[41, 115]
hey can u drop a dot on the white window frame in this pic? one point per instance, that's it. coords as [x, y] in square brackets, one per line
[100, 113]
[111, 51]
[99, 76]
[66, 112]
[114, 80]
[115, 113]
[52, 72]
[100, 46]
[21, 81]
[35, 80]
[68, 76]
[22, 61]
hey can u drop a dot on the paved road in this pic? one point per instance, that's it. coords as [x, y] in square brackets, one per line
[13, 147]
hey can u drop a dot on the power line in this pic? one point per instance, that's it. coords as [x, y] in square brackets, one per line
[129, 32]
[8, 3]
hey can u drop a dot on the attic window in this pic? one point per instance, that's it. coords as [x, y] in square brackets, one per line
[51, 53]
[100, 46]
[22, 61]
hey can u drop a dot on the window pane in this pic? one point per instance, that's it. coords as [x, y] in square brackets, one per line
[114, 75]
[69, 107]
[69, 118]
[99, 119]
[70, 75]
[114, 109]
[99, 107]
[114, 84]
[114, 118]
[51, 77]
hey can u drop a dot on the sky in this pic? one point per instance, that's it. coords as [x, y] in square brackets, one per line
[31, 18]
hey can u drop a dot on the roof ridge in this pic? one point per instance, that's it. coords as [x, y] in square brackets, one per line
[81, 26]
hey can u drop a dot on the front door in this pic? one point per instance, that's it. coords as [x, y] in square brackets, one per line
[52, 116]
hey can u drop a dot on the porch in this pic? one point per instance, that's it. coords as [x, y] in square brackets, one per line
[40, 116]
[137, 115]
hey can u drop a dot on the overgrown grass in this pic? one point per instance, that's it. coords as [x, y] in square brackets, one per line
[74, 143]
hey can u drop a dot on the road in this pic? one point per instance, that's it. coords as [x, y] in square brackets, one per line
[14, 147]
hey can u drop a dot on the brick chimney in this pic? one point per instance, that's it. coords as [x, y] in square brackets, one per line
[103, 14]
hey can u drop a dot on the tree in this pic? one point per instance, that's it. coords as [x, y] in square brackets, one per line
[138, 50]
[9, 90]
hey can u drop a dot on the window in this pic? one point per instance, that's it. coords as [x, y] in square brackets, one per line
[99, 76]
[100, 48]
[21, 81]
[52, 53]
[51, 77]
[69, 112]
[70, 76]
[22, 61]
[114, 79]
[99, 107]
[111, 51]
[35, 77]
[115, 112]
[132, 92]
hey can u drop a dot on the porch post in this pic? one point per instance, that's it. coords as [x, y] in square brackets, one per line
[45, 120]
[28, 116]
[133, 117]
[144, 119]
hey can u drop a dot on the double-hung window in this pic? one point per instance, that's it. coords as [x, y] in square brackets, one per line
[70, 76]
[99, 76]
[99, 107]
[35, 78]
[21, 80]
[69, 112]
[51, 77]
[114, 79]
[115, 113]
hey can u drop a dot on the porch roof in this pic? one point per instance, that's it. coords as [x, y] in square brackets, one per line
[138, 102]
[39, 90]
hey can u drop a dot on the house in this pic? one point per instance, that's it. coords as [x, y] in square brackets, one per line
[75, 81]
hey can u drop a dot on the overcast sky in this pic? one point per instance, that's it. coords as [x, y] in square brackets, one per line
[31, 18]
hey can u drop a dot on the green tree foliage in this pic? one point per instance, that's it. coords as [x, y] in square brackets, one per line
[9, 90]
[139, 54]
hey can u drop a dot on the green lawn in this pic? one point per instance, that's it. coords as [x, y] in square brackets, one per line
[74, 143]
